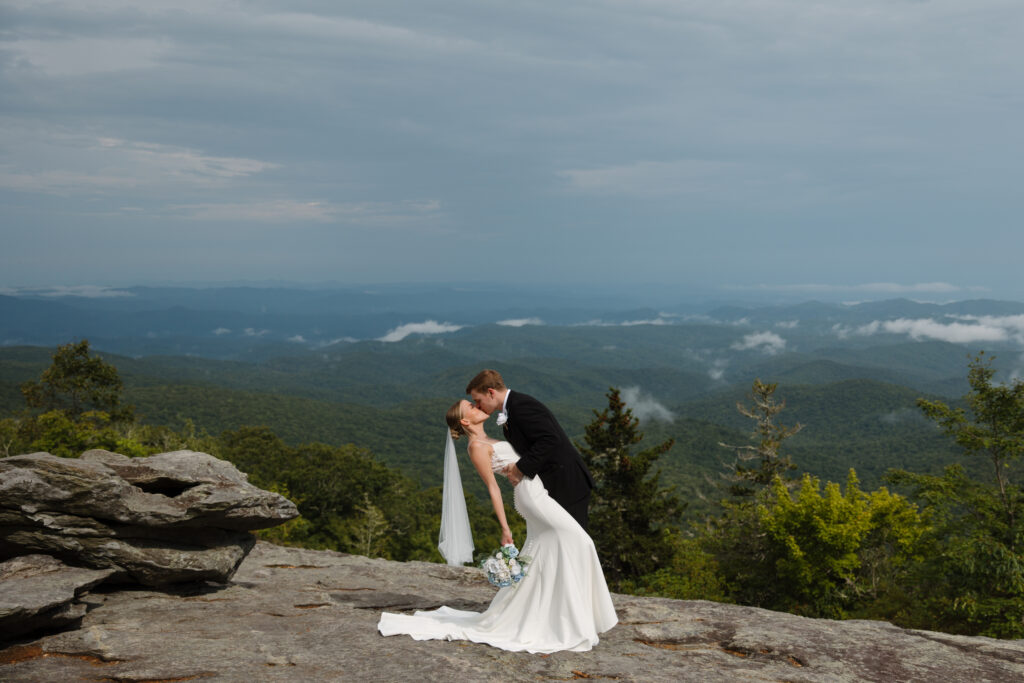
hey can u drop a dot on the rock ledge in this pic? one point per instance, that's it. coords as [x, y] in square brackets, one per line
[168, 518]
[292, 614]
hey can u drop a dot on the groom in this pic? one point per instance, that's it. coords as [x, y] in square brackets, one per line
[544, 449]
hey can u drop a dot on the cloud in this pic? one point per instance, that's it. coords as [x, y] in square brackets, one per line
[425, 327]
[952, 332]
[182, 161]
[264, 212]
[1013, 324]
[717, 369]
[651, 178]
[655, 321]
[172, 181]
[298, 339]
[80, 56]
[769, 181]
[842, 331]
[253, 332]
[338, 340]
[84, 291]
[788, 324]
[982, 329]
[769, 342]
[625, 323]
[210, 112]
[374, 214]
[645, 407]
[220, 331]
[390, 36]
[520, 322]
[69, 163]
[867, 287]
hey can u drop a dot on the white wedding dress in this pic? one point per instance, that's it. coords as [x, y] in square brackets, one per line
[563, 603]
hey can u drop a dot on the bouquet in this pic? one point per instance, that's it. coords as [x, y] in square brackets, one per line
[505, 566]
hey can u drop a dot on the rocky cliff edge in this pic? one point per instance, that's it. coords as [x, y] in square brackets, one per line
[304, 615]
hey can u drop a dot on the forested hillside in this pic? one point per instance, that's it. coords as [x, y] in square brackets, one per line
[861, 423]
[354, 434]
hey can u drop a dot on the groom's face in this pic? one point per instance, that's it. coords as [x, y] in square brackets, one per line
[488, 400]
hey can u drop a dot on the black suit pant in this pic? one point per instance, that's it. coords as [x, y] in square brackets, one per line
[580, 510]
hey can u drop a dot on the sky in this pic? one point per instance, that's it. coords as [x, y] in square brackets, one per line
[848, 148]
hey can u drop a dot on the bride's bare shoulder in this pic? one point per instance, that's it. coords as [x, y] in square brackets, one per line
[481, 446]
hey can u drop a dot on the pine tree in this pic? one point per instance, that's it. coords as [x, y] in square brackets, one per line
[630, 510]
[745, 480]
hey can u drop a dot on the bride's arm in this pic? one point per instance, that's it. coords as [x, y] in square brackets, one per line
[480, 454]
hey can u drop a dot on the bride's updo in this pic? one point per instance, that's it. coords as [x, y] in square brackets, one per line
[453, 418]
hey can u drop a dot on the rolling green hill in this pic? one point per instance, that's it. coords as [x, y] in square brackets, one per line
[391, 398]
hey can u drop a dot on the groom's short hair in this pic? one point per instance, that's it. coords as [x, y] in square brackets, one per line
[486, 379]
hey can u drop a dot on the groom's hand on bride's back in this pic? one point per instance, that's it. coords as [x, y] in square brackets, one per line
[513, 474]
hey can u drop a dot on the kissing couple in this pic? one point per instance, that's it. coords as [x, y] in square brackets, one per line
[563, 603]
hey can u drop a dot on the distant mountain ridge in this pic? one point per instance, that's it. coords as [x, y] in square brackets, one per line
[249, 323]
[241, 356]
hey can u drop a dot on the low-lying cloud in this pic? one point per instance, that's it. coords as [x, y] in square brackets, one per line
[645, 407]
[768, 342]
[425, 327]
[337, 340]
[520, 322]
[964, 329]
[717, 369]
[84, 291]
[625, 323]
[866, 287]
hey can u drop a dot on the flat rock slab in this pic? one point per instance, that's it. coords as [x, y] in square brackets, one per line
[293, 615]
[40, 592]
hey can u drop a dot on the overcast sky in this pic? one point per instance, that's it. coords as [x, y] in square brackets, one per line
[859, 147]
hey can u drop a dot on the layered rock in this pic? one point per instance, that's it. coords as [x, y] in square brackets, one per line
[40, 592]
[291, 614]
[164, 519]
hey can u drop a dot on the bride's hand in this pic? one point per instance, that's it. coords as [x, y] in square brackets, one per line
[506, 537]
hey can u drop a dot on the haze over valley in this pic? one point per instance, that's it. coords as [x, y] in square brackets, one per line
[378, 367]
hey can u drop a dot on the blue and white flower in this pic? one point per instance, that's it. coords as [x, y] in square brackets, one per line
[505, 566]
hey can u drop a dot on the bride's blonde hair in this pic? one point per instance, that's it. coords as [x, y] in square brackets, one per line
[454, 420]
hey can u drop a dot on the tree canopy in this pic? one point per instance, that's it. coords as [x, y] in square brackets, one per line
[631, 513]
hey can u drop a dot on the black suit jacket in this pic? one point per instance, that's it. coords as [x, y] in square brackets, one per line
[545, 450]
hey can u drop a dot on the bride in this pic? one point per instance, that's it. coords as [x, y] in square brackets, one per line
[562, 603]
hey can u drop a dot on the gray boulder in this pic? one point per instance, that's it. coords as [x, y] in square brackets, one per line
[168, 518]
[40, 592]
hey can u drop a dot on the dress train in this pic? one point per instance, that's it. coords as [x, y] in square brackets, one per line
[563, 603]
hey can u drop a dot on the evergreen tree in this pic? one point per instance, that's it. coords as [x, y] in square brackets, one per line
[745, 480]
[971, 577]
[994, 431]
[631, 513]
